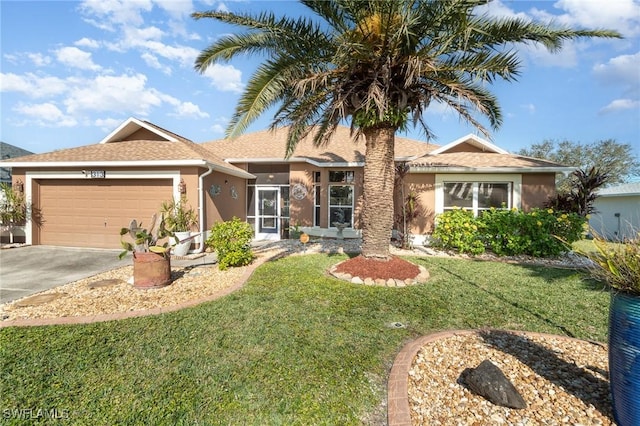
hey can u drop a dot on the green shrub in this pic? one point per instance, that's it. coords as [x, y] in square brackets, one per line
[539, 233]
[457, 229]
[232, 241]
[617, 265]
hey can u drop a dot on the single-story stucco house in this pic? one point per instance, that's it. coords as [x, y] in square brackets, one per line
[617, 212]
[82, 196]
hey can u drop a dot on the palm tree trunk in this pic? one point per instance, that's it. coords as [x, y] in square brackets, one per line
[379, 173]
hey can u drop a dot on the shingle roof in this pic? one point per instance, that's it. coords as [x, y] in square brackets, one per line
[342, 147]
[477, 160]
[625, 189]
[181, 150]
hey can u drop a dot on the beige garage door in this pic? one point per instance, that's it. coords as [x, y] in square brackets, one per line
[90, 213]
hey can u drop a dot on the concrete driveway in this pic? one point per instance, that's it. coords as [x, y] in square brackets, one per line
[32, 269]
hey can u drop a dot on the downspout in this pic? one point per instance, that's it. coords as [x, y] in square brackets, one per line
[201, 212]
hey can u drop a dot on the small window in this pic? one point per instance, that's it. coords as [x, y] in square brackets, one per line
[341, 176]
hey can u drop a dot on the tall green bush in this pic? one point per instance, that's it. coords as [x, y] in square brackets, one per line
[458, 230]
[232, 241]
[539, 232]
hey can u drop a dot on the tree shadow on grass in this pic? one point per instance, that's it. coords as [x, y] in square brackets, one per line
[589, 384]
[513, 303]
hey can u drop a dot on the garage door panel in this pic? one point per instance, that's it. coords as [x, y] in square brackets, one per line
[91, 213]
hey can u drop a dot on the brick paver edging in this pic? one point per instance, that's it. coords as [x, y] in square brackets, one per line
[32, 322]
[398, 411]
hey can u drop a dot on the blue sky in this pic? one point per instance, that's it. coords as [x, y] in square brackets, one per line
[71, 72]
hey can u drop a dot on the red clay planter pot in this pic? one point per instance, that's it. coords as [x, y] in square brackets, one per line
[151, 270]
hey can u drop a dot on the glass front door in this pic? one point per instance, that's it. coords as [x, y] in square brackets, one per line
[267, 214]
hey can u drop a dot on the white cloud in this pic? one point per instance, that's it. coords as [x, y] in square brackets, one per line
[106, 14]
[107, 124]
[35, 86]
[76, 58]
[153, 62]
[46, 114]
[620, 15]
[184, 55]
[39, 59]
[87, 42]
[220, 125]
[530, 108]
[225, 77]
[623, 70]
[177, 9]
[123, 93]
[189, 110]
[620, 105]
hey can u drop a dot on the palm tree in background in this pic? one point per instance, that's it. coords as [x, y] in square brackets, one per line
[376, 65]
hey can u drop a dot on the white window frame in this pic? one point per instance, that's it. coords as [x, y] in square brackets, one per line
[349, 183]
[514, 181]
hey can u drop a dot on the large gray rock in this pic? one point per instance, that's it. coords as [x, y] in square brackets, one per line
[488, 381]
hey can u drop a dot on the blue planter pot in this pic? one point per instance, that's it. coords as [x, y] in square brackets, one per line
[624, 358]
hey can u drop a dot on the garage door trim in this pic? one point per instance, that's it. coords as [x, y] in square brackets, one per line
[81, 174]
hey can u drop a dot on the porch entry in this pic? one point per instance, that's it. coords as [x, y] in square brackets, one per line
[271, 212]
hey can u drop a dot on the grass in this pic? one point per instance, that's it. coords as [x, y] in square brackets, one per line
[294, 346]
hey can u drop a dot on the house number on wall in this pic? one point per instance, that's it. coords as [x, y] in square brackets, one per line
[299, 191]
[95, 174]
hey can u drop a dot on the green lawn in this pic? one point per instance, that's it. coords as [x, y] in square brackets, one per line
[293, 347]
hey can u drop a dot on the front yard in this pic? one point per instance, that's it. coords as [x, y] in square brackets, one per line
[294, 346]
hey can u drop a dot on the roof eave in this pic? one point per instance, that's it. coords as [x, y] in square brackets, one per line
[458, 169]
[233, 171]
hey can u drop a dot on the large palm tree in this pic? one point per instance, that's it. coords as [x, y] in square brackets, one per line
[377, 65]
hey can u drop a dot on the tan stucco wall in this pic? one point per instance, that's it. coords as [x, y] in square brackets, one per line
[301, 211]
[224, 206]
[423, 185]
[536, 189]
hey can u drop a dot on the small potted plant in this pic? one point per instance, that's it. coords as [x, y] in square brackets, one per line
[618, 266]
[180, 219]
[151, 260]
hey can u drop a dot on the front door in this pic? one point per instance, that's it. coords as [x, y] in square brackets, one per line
[267, 214]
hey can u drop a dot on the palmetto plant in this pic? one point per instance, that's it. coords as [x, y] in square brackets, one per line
[377, 65]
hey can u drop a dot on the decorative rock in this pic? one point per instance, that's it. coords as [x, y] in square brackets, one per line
[104, 283]
[489, 381]
[391, 282]
[357, 280]
[369, 281]
[39, 299]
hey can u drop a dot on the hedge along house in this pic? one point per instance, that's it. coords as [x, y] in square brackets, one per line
[83, 196]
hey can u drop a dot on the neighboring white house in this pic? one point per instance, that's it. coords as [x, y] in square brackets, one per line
[617, 215]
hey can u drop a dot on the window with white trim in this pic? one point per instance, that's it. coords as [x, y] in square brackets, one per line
[477, 196]
[341, 197]
[316, 197]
